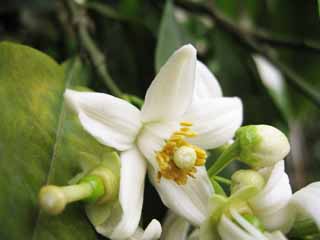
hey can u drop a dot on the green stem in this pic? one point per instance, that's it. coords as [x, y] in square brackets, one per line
[96, 57]
[222, 180]
[230, 154]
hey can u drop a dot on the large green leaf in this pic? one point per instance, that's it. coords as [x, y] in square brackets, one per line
[169, 37]
[40, 143]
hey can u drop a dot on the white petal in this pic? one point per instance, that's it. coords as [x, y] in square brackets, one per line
[112, 121]
[152, 232]
[254, 232]
[206, 84]
[189, 201]
[175, 227]
[271, 204]
[306, 202]
[133, 170]
[230, 231]
[152, 138]
[276, 236]
[171, 91]
[215, 120]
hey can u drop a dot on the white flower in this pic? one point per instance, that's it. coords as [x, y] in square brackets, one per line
[176, 228]
[184, 93]
[270, 205]
[305, 203]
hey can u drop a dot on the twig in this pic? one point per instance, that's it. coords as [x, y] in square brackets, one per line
[98, 60]
[259, 35]
[249, 41]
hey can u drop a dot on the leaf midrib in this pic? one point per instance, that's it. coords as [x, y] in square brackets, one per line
[69, 77]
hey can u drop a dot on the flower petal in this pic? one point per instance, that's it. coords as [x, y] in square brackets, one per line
[206, 84]
[275, 236]
[175, 227]
[215, 120]
[112, 121]
[170, 93]
[231, 231]
[133, 170]
[189, 201]
[271, 204]
[152, 138]
[152, 232]
[254, 232]
[306, 202]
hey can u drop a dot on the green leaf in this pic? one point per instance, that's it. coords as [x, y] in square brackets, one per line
[169, 37]
[41, 143]
[275, 84]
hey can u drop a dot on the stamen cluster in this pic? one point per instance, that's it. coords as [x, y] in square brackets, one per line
[165, 157]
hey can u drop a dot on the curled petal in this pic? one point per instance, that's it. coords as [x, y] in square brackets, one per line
[206, 84]
[228, 230]
[124, 221]
[152, 232]
[189, 201]
[215, 120]
[271, 204]
[170, 93]
[306, 202]
[175, 228]
[112, 121]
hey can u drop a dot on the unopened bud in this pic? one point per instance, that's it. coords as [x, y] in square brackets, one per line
[243, 178]
[261, 145]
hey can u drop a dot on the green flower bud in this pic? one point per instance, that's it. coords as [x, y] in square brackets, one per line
[261, 145]
[243, 178]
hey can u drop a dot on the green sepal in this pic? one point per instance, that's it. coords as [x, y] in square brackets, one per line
[97, 187]
[249, 140]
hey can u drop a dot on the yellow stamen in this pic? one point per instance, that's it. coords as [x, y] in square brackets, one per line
[165, 157]
[186, 124]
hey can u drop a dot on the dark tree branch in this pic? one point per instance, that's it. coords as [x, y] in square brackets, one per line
[81, 22]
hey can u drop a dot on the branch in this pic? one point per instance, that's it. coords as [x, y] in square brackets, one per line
[261, 36]
[80, 19]
[249, 41]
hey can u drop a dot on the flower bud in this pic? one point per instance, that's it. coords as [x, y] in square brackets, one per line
[261, 145]
[243, 178]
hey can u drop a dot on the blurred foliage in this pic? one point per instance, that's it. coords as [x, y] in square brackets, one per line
[137, 36]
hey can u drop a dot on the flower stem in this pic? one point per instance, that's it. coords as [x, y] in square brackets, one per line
[230, 154]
